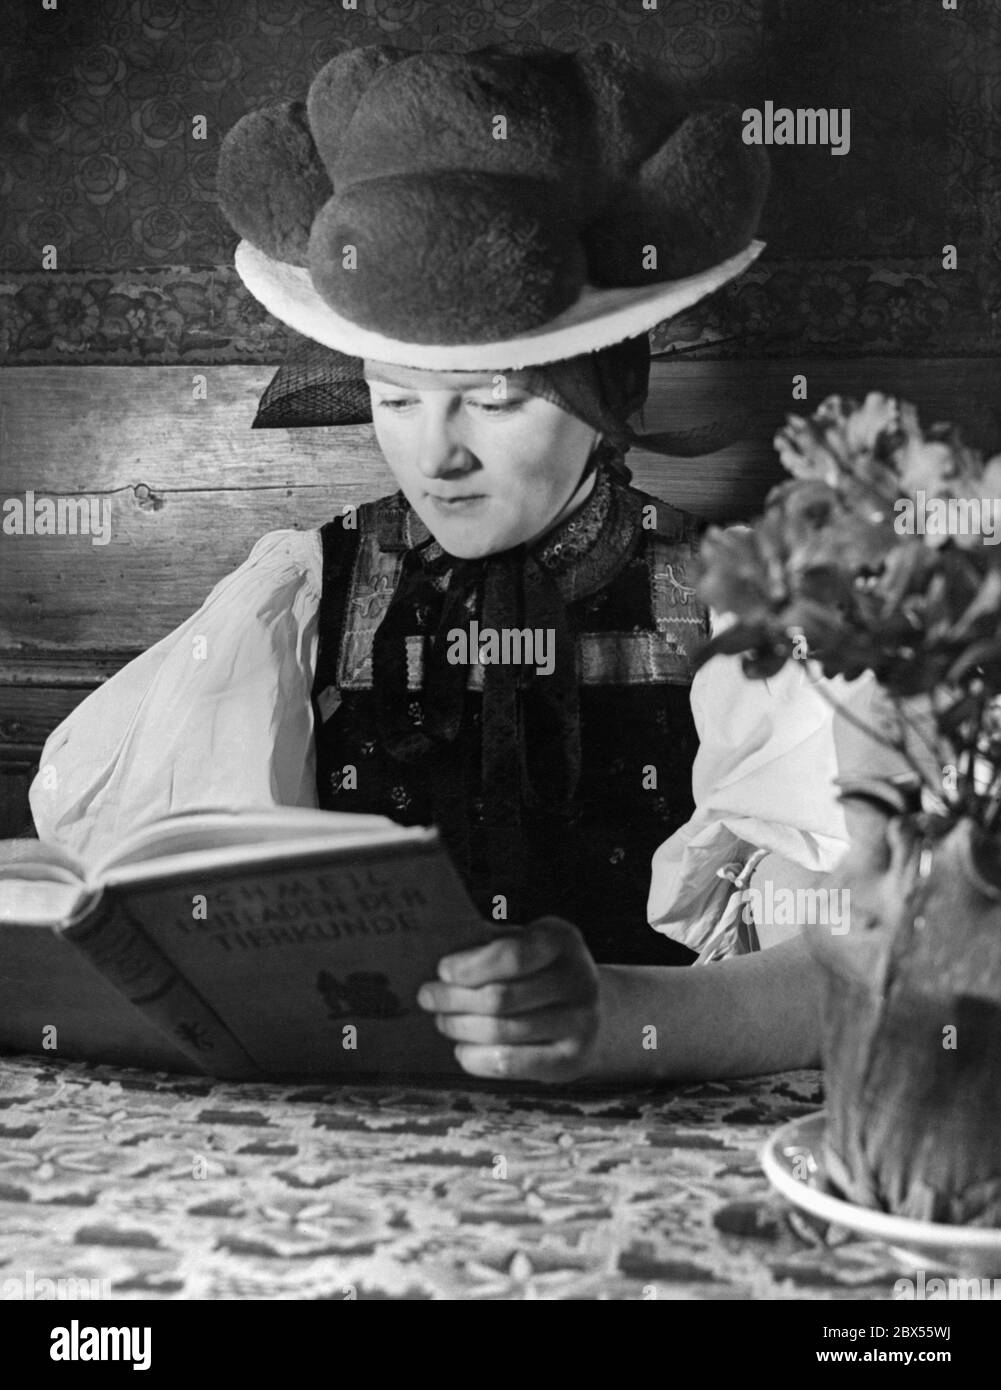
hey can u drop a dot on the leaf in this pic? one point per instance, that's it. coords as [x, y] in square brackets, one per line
[986, 654]
[904, 570]
[950, 721]
[762, 664]
[732, 573]
[737, 639]
[898, 795]
[823, 584]
[986, 603]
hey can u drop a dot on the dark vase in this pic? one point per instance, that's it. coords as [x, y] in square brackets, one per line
[912, 1021]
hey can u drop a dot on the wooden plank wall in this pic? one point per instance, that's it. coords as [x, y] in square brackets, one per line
[191, 487]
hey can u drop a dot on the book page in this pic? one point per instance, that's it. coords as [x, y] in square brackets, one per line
[37, 859]
[40, 885]
[258, 854]
[41, 902]
[218, 829]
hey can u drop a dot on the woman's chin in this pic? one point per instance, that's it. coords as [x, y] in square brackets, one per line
[466, 547]
[465, 536]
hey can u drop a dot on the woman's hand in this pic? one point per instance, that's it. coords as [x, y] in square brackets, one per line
[523, 1007]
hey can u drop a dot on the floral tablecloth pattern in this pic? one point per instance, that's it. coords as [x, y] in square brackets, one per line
[163, 1187]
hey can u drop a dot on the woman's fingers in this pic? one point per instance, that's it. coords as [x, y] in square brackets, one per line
[559, 985]
[554, 1062]
[509, 957]
[538, 1026]
[522, 1007]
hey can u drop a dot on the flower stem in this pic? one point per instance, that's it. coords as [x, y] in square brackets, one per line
[933, 748]
[895, 745]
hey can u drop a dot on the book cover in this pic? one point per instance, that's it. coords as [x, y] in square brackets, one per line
[277, 959]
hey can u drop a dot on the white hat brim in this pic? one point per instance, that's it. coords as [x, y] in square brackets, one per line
[599, 318]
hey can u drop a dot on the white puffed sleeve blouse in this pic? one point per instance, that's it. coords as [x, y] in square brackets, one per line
[218, 714]
[764, 780]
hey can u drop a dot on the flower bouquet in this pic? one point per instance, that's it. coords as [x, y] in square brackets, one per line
[881, 554]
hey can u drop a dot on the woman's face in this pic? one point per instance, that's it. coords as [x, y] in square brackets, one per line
[485, 465]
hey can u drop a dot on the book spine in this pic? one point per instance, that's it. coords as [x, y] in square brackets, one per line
[117, 946]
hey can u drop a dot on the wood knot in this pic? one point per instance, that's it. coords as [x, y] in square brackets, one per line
[147, 498]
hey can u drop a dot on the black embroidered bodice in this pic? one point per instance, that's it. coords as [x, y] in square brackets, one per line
[551, 791]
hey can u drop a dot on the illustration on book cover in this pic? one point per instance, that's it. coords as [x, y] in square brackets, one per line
[362, 994]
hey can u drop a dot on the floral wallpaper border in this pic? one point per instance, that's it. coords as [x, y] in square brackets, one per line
[98, 158]
[184, 314]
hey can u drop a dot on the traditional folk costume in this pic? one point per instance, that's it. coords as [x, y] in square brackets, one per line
[384, 219]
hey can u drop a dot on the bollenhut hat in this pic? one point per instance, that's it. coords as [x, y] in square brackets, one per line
[498, 209]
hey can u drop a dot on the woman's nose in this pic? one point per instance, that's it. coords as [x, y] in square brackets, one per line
[442, 450]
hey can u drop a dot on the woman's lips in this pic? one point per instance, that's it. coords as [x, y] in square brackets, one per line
[455, 504]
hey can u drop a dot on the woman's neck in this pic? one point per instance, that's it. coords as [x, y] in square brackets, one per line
[573, 503]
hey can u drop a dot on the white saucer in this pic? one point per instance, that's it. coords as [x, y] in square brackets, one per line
[799, 1147]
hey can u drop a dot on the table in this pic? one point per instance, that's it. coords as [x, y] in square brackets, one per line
[165, 1187]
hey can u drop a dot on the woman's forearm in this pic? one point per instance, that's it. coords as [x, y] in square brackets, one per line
[741, 1017]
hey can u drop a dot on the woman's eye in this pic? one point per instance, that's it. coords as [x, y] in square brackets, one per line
[496, 407]
[398, 404]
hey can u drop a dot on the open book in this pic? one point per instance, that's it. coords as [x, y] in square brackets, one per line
[271, 943]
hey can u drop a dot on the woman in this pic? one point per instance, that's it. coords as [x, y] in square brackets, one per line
[363, 666]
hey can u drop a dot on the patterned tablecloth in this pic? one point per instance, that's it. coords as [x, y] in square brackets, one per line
[166, 1187]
